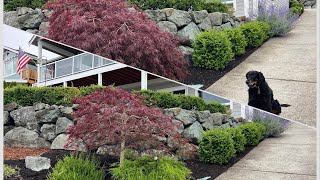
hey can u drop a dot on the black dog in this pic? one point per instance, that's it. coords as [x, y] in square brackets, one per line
[260, 94]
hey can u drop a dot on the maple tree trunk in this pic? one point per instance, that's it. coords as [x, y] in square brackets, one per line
[123, 141]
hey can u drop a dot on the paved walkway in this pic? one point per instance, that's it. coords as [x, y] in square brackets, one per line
[289, 65]
[290, 156]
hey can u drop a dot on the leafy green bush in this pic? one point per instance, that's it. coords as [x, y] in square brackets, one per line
[237, 39]
[253, 132]
[11, 5]
[146, 168]
[216, 146]
[169, 100]
[185, 5]
[9, 171]
[86, 90]
[253, 33]
[27, 96]
[273, 127]
[238, 138]
[265, 28]
[74, 167]
[12, 84]
[296, 7]
[212, 50]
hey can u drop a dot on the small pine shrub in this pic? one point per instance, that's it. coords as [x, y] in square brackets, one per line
[253, 33]
[237, 39]
[238, 138]
[216, 146]
[254, 132]
[74, 167]
[86, 90]
[265, 28]
[212, 50]
[146, 168]
[273, 127]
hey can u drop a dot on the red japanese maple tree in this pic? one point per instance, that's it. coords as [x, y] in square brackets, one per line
[114, 116]
[110, 29]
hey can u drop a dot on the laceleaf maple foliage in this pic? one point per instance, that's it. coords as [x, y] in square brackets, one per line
[110, 29]
[115, 116]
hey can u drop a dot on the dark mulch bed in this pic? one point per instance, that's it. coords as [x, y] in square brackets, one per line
[199, 169]
[208, 77]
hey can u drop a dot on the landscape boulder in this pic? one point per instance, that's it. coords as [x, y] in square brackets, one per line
[23, 137]
[23, 115]
[187, 117]
[37, 163]
[193, 132]
[48, 131]
[180, 18]
[48, 115]
[62, 124]
[189, 32]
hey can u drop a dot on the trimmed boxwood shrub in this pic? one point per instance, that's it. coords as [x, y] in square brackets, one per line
[12, 84]
[216, 146]
[237, 39]
[11, 5]
[254, 132]
[296, 7]
[27, 96]
[80, 166]
[146, 168]
[253, 33]
[169, 100]
[273, 127]
[238, 138]
[212, 50]
[216, 6]
[265, 28]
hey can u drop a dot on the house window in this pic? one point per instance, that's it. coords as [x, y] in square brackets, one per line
[83, 62]
[179, 92]
[10, 67]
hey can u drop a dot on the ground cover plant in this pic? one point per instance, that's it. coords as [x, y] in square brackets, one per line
[147, 167]
[117, 33]
[78, 166]
[125, 117]
[212, 50]
[169, 100]
[10, 172]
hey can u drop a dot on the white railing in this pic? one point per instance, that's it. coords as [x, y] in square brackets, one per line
[72, 65]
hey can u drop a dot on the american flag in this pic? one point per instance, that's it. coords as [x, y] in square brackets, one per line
[23, 60]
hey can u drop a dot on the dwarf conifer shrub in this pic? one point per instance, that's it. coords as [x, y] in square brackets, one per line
[237, 39]
[238, 138]
[74, 167]
[216, 146]
[253, 33]
[265, 28]
[212, 50]
[254, 132]
[296, 7]
[146, 168]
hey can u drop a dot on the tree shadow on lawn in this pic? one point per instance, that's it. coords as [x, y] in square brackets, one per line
[199, 169]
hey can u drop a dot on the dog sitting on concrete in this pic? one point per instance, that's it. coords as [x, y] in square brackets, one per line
[261, 95]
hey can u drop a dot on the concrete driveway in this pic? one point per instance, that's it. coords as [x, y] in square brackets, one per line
[289, 66]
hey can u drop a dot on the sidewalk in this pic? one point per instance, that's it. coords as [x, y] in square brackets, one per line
[290, 156]
[289, 66]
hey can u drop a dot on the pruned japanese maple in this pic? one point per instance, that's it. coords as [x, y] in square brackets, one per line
[114, 116]
[109, 28]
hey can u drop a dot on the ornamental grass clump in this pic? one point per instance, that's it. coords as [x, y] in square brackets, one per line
[147, 168]
[216, 146]
[280, 19]
[212, 50]
[75, 167]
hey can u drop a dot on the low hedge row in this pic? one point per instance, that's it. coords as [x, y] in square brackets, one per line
[169, 100]
[218, 146]
[296, 7]
[185, 5]
[214, 49]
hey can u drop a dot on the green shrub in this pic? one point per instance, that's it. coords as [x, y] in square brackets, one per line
[86, 90]
[9, 171]
[169, 100]
[273, 127]
[12, 84]
[27, 96]
[265, 28]
[238, 138]
[253, 33]
[237, 39]
[296, 7]
[146, 168]
[74, 167]
[11, 5]
[152, 4]
[216, 146]
[212, 50]
[185, 5]
[253, 132]
[216, 6]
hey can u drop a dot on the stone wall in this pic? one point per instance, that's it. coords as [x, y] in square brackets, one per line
[44, 125]
[309, 3]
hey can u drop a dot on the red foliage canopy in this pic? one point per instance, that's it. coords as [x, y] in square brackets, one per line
[109, 115]
[110, 29]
